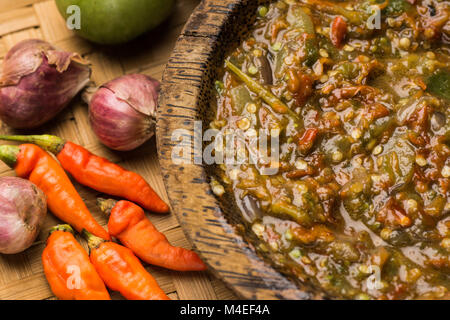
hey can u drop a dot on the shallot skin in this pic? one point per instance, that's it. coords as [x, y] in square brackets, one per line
[38, 81]
[23, 208]
[122, 112]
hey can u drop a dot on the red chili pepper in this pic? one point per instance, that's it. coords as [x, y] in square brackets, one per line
[98, 173]
[68, 270]
[122, 271]
[306, 141]
[32, 163]
[128, 223]
[338, 31]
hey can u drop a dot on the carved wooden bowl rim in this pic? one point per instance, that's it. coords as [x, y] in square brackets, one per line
[185, 78]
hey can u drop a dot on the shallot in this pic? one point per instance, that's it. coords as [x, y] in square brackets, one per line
[38, 81]
[122, 112]
[23, 208]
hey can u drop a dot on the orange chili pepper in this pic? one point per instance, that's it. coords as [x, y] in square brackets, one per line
[97, 172]
[128, 223]
[68, 270]
[32, 163]
[122, 271]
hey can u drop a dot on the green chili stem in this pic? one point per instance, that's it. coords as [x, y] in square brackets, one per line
[106, 205]
[276, 104]
[93, 241]
[62, 227]
[50, 143]
[8, 154]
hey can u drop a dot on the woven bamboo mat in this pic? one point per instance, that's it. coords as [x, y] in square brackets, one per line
[21, 275]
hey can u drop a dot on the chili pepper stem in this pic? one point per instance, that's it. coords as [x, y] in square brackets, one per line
[106, 205]
[276, 104]
[93, 241]
[50, 143]
[8, 154]
[62, 227]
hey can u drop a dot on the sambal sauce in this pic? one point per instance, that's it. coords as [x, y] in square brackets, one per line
[358, 94]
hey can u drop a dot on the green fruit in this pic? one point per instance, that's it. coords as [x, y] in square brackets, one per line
[116, 21]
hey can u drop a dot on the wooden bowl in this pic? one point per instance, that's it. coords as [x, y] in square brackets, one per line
[215, 27]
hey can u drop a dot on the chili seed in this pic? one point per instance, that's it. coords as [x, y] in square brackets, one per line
[276, 46]
[302, 188]
[323, 78]
[306, 260]
[348, 48]
[429, 33]
[337, 156]
[318, 68]
[405, 43]
[445, 171]
[258, 229]
[289, 60]
[251, 107]
[364, 269]
[243, 124]
[445, 243]
[362, 296]
[357, 187]
[323, 53]
[226, 180]
[391, 22]
[411, 205]
[413, 275]
[257, 53]
[356, 133]
[357, 162]
[364, 58]
[431, 55]
[218, 190]
[262, 11]
[252, 70]
[421, 161]
[274, 245]
[301, 164]
[377, 150]
[295, 253]
[385, 233]
[430, 65]
[288, 234]
[217, 124]
[375, 178]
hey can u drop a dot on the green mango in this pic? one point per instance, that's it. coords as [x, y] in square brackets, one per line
[116, 21]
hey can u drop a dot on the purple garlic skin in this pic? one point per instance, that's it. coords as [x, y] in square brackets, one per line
[23, 208]
[38, 81]
[122, 112]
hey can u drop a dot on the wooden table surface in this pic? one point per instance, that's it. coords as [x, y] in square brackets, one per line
[21, 275]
